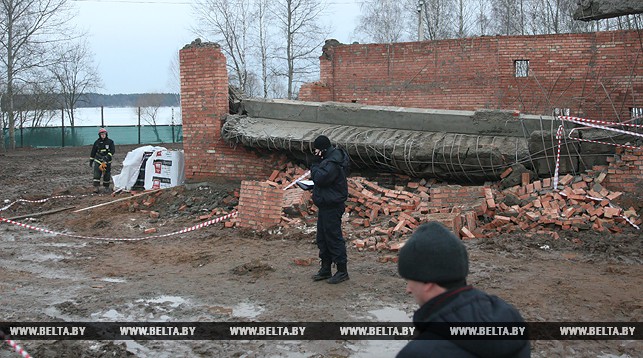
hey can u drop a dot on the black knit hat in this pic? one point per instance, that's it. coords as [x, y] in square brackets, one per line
[433, 254]
[322, 142]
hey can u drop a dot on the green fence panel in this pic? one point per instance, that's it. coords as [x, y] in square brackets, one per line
[79, 136]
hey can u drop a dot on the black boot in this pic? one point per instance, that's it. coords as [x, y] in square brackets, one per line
[324, 272]
[340, 276]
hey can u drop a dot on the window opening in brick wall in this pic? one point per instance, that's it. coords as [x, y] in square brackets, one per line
[522, 68]
[636, 112]
[561, 111]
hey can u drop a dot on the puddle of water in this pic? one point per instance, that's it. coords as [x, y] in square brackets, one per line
[379, 348]
[43, 271]
[289, 349]
[63, 244]
[376, 349]
[114, 280]
[174, 301]
[136, 348]
[111, 315]
[42, 257]
[246, 310]
[156, 309]
[390, 314]
[54, 312]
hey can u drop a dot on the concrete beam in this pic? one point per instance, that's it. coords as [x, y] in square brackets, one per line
[483, 122]
[588, 10]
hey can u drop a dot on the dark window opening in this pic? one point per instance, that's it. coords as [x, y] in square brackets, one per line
[522, 68]
[561, 111]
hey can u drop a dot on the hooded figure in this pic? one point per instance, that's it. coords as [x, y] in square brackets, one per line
[329, 195]
[101, 160]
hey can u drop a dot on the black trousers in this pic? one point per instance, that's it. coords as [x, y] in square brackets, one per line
[107, 175]
[330, 241]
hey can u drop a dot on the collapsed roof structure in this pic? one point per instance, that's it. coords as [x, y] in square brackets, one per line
[461, 146]
[588, 10]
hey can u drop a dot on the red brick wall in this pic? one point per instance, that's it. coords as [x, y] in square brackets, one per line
[260, 205]
[625, 174]
[456, 195]
[423, 74]
[598, 75]
[204, 105]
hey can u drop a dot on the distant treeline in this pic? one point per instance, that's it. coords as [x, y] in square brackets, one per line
[90, 100]
[129, 100]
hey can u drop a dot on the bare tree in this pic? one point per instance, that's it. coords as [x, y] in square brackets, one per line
[482, 17]
[227, 22]
[174, 84]
[149, 106]
[174, 71]
[3, 117]
[380, 21]
[36, 103]
[27, 29]
[76, 76]
[262, 46]
[302, 39]
[436, 18]
[465, 18]
[507, 16]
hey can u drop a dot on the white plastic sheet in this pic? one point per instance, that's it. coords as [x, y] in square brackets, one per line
[131, 167]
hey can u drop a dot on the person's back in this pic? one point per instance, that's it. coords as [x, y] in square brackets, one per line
[464, 305]
[435, 264]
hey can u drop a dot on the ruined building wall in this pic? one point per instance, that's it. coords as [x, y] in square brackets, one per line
[204, 102]
[596, 75]
[204, 105]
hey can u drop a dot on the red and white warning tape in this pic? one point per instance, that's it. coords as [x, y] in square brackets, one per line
[562, 193]
[38, 201]
[599, 142]
[298, 179]
[182, 231]
[15, 346]
[594, 124]
[559, 136]
[603, 124]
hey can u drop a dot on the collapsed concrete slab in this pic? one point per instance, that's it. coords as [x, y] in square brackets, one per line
[488, 122]
[459, 146]
[588, 10]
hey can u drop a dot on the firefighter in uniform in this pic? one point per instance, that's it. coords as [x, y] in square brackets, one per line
[101, 160]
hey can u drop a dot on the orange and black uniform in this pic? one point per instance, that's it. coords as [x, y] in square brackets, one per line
[102, 151]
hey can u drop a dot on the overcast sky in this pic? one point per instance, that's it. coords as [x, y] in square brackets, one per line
[134, 41]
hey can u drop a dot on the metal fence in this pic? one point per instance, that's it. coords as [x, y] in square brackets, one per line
[79, 136]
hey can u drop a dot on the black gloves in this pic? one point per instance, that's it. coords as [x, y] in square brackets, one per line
[91, 163]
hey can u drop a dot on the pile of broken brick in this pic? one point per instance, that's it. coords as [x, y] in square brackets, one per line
[380, 218]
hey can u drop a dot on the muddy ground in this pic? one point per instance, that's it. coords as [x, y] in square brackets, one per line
[222, 274]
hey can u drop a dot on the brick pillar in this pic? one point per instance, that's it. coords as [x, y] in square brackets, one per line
[204, 107]
[204, 103]
[625, 174]
[260, 205]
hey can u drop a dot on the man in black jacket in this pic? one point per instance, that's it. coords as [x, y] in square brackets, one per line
[329, 194]
[101, 160]
[435, 264]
